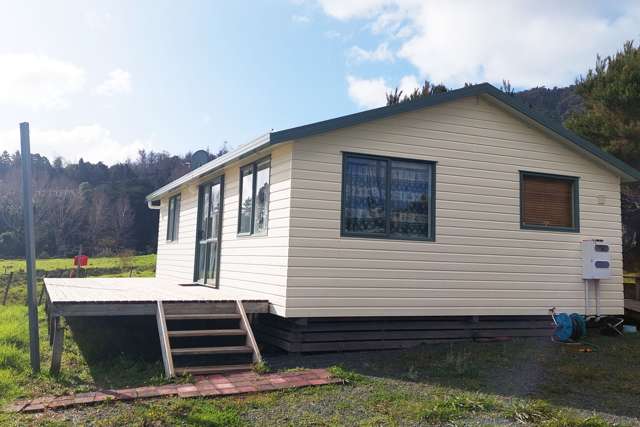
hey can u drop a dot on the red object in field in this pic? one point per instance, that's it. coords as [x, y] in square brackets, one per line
[84, 260]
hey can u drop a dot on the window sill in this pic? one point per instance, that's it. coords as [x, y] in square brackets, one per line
[388, 238]
[246, 235]
[545, 228]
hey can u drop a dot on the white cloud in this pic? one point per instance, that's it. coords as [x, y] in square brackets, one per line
[546, 43]
[91, 142]
[372, 93]
[381, 53]
[408, 84]
[300, 19]
[344, 10]
[368, 93]
[117, 82]
[37, 81]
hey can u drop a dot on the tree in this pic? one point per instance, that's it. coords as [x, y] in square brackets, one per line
[611, 118]
[507, 88]
[611, 115]
[427, 89]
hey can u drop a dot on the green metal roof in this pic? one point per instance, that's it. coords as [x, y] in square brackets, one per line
[627, 172]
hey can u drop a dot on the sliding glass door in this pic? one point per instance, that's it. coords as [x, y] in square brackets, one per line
[209, 232]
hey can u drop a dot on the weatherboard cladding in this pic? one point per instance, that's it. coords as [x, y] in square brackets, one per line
[627, 172]
[481, 262]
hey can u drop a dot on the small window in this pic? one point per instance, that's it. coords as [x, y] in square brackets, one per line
[254, 197]
[548, 202]
[174, 218]
[388, 198]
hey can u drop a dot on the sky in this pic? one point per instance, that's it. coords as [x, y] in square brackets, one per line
[103, 79]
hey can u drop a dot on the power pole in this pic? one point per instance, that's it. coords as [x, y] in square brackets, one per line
[30, 246]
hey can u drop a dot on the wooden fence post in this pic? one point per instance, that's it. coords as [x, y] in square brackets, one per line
[44, 276]
[6, 290]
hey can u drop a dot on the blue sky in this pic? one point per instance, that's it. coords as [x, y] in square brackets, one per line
[101, 80]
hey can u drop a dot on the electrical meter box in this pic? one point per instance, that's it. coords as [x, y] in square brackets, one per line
[596, 259]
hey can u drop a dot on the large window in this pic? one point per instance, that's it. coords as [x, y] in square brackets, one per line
[548, 202]
[254, 197]
[388, 197]
[173, 222]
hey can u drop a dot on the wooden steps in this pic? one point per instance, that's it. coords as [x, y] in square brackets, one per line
[202, 316]
[203, 370]
[213, 350]
[207, 333]
[201, 339]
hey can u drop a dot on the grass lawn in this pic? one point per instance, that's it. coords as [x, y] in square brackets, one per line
[77, 375]
[522, 382]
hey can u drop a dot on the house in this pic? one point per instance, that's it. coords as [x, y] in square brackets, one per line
[456, 216]
[461, 204]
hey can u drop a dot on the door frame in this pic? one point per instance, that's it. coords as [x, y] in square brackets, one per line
[213, 181]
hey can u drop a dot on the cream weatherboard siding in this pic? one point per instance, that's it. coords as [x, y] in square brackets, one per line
[254, 267]
[481, 262]
[176, 259]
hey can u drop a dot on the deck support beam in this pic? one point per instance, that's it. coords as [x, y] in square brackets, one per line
[58, 345]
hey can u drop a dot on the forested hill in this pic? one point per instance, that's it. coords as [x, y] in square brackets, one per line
[100, 207]
[556, 104]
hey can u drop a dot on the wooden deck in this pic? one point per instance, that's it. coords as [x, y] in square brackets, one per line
[131, 296]
[170, 302]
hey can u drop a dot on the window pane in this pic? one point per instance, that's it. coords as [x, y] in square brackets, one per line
[410, 204]
[212, 252]
[246, 204]
[204, 232]
[170, 218]
[215, 210]
[173, 218]
[262, 198]
[176, 218]
[547, 201]
[364, 195]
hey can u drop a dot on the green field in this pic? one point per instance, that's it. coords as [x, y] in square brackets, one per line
[141, 262]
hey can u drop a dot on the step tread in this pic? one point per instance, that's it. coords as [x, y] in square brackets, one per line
[213, 350]
[202, 316]
[212, 369]
[207, 333]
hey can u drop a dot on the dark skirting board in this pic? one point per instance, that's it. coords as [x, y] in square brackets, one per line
[378, 333]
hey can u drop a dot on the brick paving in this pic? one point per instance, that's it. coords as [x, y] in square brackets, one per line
[205, 385]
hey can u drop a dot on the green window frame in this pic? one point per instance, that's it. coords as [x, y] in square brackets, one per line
[391, 167]
[253, 210]
[575, 202]
[173, 219]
